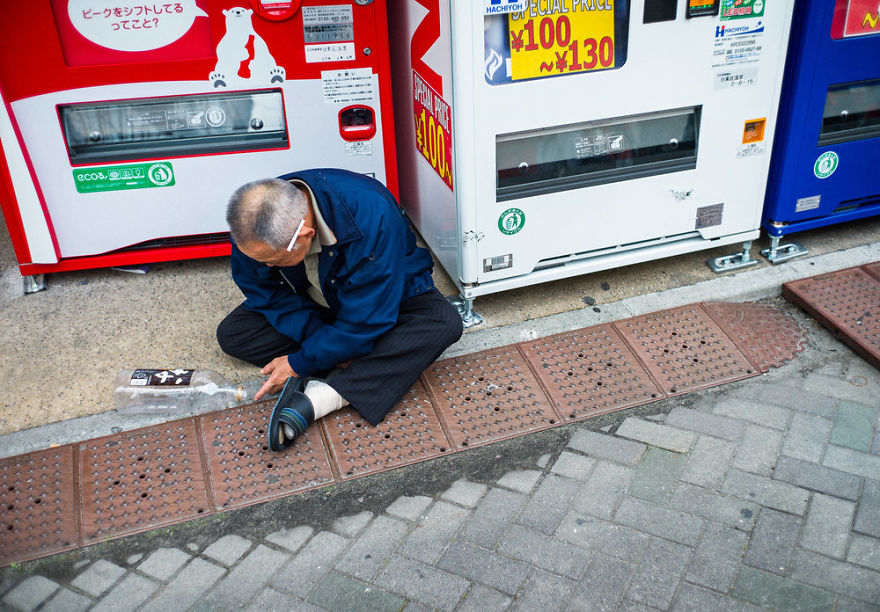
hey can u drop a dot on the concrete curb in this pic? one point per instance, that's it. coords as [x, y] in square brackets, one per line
[748, 285]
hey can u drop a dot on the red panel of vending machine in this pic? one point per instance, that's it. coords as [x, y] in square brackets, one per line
[126, 124]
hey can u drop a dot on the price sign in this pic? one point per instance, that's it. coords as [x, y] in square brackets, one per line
[555, 38]
[862, 18]
[433, 123]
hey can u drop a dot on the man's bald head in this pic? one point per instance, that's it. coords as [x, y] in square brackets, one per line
[267, 211]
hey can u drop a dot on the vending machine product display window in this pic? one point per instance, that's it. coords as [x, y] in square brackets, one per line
[126, 126]
[852, 112]
[189, 125]
[824, 168]
[596, 152]
[542, 139]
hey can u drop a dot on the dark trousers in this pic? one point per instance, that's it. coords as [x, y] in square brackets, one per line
[374, 383]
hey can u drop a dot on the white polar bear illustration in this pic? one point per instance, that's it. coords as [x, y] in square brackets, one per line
[232, 51]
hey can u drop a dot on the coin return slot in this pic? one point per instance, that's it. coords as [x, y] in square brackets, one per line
[357, 123]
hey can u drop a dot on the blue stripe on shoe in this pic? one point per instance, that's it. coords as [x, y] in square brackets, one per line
[298, 421]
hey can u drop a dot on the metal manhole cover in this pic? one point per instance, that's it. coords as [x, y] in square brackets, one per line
[590, 372]
[242, 468]
[848, 303]
[411, 432]
[764, 333]
[37, 509]
[489, 396]
[873, 269]
[138, 480]
[684, 349]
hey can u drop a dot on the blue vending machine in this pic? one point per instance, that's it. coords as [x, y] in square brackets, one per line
[826, 159]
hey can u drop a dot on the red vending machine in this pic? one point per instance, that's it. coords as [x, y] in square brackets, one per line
[126, 124]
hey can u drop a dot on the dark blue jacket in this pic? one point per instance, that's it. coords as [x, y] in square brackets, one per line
[374, 266]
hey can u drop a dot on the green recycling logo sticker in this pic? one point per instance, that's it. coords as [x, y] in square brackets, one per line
[160, 174]
[511, 221]
[826, 164]
[127, 176]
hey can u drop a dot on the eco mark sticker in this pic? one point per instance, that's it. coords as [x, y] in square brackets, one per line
[116, 178]
[826, 164]
[160, 175]
[511, 221]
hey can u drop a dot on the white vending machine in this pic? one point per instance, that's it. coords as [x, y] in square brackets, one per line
[542, 139]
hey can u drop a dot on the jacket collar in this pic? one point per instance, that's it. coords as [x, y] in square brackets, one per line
[325, 235]
[331, 203]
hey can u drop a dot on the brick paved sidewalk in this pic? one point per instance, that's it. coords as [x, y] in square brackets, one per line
[761, 493]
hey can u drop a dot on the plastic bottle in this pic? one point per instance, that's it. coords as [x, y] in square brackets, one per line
[178, 391]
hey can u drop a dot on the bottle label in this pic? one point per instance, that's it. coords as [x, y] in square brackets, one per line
[160, 378]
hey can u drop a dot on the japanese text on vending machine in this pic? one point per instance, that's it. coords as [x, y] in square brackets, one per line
[133, 16]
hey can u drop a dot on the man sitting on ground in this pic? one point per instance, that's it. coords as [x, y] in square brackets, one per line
[335, 287]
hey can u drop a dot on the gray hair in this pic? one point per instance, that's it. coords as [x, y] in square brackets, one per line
[267, 210]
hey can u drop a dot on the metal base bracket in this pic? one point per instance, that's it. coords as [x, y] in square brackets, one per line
[465, 308]
[738, 261]
[779, 253]
[33, 283]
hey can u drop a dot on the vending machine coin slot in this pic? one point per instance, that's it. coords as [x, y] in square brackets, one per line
[357, 123]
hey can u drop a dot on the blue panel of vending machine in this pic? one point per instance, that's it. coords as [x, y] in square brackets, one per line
[826, 158]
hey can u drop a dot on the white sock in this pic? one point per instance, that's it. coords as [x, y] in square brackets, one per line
[324, 398]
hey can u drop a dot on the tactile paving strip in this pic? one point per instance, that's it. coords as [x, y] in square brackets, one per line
[37, 508]
[142, 479]
[488, 396]
[590, 372]
[765, 334]
[873, 269]
[411, 432]
[244, 471]
[848, 303]
[684, 350]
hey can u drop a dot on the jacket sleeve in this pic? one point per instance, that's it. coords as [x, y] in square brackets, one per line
[369, 295]
[266, 292]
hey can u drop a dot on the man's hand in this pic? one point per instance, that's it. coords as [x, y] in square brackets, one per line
[279, 371]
